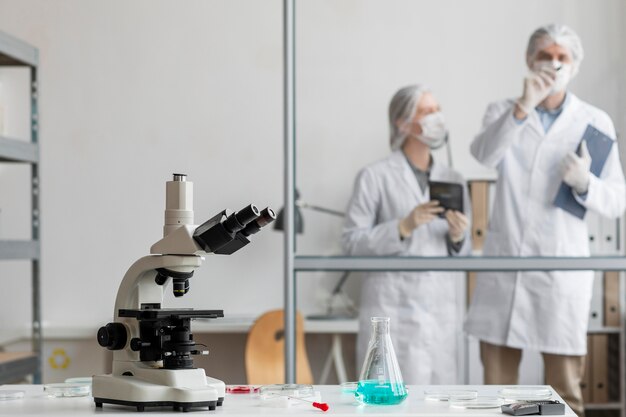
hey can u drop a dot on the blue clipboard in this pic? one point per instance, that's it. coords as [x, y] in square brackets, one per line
[599, 146]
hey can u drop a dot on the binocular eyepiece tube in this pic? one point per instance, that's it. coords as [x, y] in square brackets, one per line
[266, 216]
[221, 230]
[237, 221]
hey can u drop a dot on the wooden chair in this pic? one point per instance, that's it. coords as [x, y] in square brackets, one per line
[265, 351]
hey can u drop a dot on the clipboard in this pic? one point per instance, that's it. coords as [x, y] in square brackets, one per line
[599, 146]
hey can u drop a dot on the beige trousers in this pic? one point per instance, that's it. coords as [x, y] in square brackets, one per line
[563, 372]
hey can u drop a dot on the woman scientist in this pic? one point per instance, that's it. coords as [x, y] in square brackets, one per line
[391, 214]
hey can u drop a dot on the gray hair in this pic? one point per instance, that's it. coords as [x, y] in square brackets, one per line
[403, 107]
[559, 34]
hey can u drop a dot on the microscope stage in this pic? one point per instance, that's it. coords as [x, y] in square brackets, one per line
[164, 313]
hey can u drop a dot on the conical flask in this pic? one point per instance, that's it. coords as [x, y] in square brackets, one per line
[380, 381]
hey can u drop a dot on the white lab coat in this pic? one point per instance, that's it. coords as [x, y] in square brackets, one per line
[542, 311]
[423, 306]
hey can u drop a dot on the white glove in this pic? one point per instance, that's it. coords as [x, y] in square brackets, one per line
[457, 225]
[537, 86]
[422, 214]
[576, 169]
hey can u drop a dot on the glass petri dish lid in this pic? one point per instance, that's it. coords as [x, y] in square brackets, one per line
[463, 395]
[478, 403]
[286, 390]
[438, 394]
[11, 394]
[65, 389]
[86, 380]
[349, 387]
[525, 393]
[80, 380]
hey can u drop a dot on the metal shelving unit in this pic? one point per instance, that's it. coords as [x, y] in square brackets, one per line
[13, 365]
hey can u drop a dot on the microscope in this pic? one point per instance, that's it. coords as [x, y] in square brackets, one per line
[153, 346]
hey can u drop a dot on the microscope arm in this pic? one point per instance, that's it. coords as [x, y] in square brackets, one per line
[138, 286]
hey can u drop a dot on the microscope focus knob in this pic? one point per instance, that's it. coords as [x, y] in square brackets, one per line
[112, 336]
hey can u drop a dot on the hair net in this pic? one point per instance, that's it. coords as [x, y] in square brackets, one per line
[403, 107]
[559, 34]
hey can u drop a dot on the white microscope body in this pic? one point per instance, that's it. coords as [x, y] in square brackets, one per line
[152, 347]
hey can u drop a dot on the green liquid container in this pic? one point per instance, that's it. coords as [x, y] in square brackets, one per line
[380, 381]
[373, 392]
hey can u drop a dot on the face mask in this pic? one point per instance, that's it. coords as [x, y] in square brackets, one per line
[563, 74]
[434, 130]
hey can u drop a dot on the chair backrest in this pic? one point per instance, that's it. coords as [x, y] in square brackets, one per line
[265, 351]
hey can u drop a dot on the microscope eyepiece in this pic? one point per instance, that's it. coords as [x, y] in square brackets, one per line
[224, 234]
[237, 221]
[247, 214]
[265, 217]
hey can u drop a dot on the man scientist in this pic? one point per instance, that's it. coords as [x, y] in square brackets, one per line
[533, 143]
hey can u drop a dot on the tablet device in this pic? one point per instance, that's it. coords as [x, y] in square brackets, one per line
[449, 195]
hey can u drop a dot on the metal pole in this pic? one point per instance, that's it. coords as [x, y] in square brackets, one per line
[289, 230]
[37, 343]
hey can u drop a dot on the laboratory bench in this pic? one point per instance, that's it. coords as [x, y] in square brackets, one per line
[36, 403]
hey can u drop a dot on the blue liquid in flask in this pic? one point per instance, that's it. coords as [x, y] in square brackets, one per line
[380, 393]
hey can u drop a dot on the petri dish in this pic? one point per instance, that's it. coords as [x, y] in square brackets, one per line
[80, 380]
[517, 393]
[349, 387]
[85, 380]
[10, 394]
[438, 394]
[241, 389]
[478, 403]
[65, 389]
[286, 390]
[463, 395]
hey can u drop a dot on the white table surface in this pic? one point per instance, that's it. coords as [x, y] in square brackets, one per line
[35, 403]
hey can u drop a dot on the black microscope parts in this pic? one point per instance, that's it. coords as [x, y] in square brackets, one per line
[526, 408]
[225, 234]
[266, 217]
[165, 335]
[153, 346]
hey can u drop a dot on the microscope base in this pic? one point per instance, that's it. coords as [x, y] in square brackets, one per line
[139, 392]
[141, 406]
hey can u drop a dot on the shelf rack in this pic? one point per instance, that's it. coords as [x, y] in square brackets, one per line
[15, 365]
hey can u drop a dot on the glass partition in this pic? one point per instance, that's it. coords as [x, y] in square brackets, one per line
[348, 72]
[352, 57]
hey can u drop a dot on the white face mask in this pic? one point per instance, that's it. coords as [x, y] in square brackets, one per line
[434, 130]
[563, 74]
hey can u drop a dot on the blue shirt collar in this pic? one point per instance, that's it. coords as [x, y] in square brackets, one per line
[558, 110]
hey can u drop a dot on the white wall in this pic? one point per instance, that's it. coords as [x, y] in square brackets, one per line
[133, 91]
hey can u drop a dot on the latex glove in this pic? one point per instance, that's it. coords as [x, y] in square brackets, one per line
[576, 169]
[537, 86]
[457, 225]
[422, 214]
